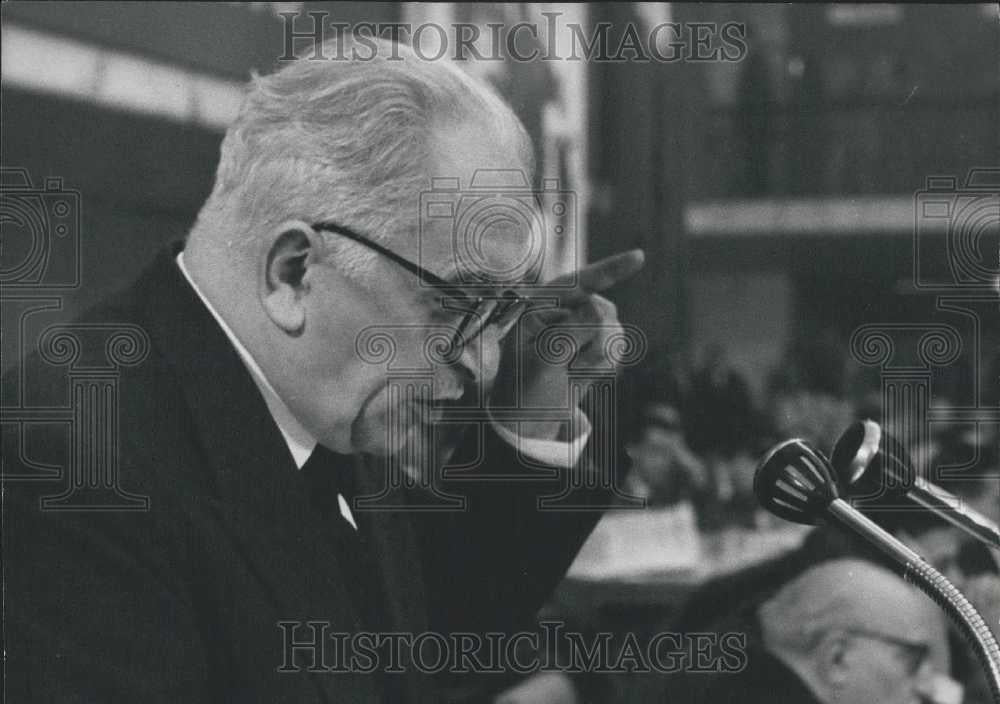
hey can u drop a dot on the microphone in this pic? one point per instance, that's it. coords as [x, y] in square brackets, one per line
[870, 462]
[795, 481]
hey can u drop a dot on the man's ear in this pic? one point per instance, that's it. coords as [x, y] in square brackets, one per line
[833, 660]
[292, 250]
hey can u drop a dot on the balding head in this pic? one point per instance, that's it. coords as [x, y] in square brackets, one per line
[313, 240]
[855, 633]
[347, 140]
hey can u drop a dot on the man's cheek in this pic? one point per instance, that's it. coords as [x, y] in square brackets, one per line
[490, 362]
[489, 374]
[368, 432]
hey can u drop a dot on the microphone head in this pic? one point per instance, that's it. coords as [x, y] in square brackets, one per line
[794, 481]
[870, 462]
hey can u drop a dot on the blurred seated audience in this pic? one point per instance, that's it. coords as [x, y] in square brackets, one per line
[844, 632]
[722, 419]
[664, 469]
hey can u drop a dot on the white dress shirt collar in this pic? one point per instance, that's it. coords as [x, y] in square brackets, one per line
[300, 442]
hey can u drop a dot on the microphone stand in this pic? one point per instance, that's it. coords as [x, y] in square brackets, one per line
[868, 459]
[951, 509]
[917, 571]
[795, 481]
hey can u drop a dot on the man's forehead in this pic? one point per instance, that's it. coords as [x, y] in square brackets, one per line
[904, 613]
[458, 151]
[494, 258]
[855, 594]
[485, 224]
[470, 233]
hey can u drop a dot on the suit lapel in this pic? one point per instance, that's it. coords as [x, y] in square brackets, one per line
[261, 497]
[390, 532]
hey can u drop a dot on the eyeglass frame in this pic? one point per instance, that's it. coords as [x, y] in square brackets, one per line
[459, 339]
[918, 652]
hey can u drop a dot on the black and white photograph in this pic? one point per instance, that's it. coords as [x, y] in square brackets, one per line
[500, 353]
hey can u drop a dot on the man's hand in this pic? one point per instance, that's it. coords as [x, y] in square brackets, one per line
[566, 330]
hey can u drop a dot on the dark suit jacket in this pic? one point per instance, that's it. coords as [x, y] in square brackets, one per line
[181, 602]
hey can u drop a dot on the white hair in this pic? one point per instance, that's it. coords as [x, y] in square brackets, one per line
[835, 595]
[345, 140]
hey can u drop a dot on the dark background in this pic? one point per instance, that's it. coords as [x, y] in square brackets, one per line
[815, 110]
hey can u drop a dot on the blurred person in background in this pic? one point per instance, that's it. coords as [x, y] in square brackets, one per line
[725, 429]
[664, 469]
[843, 632]
[726, 602]
[720, 408]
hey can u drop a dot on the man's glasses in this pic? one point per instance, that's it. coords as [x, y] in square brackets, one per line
[915, 653]
[480, 312]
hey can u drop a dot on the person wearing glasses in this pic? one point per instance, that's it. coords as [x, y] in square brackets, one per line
[316, 356]
[845, 631]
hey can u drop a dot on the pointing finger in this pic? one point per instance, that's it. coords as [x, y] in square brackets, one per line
[601, 275]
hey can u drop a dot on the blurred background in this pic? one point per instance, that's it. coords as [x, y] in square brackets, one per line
[811, 213]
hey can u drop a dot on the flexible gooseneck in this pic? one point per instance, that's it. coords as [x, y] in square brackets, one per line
[795, 481]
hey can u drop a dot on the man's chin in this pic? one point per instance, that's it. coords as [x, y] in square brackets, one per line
[410, 431]
[383, 430]
[373, 438]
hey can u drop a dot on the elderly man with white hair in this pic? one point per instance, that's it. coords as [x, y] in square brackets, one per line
[318, 352]
[845, 632]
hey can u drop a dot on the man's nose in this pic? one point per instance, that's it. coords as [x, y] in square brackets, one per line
[933, 687]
